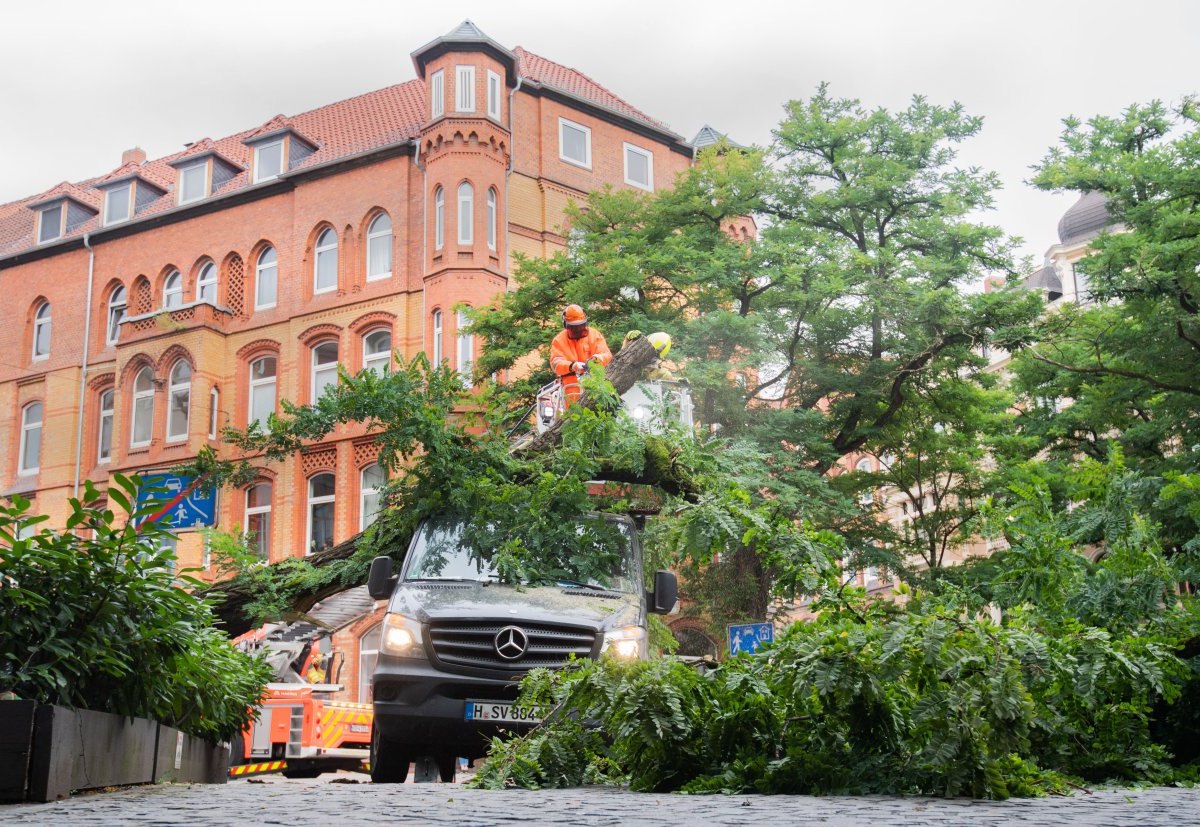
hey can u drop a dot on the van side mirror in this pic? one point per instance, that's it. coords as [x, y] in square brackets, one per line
[666, 592]
[381, 582]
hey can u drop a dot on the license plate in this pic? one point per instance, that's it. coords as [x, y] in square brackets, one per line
[359, 728]
[502, 713]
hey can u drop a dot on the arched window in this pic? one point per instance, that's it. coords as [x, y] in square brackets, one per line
[206, 284]
[325, 265]
[371, 483]
[324, 368]
[466, 213]
[31, 439]
[266, 279]
[116, 312]
[41, 332]
[437, 338]
[173, 290]
[262, 390]
[377, 351]
[439, 218]
[104, 428]
[258, 518]
[867, 495]
[491, 218]
[322, 491]
[466, 350]
[141, 428]
[179, 401]
[368, 653]
[379, 248]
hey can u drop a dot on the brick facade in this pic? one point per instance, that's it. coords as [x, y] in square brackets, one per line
[341, 187]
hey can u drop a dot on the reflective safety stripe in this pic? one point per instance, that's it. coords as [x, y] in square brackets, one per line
[253, 769]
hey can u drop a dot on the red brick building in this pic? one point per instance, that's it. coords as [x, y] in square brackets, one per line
[153, 304]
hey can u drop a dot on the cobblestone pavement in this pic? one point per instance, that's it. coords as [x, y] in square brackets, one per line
[349, 799]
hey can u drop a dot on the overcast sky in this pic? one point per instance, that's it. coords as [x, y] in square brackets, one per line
[82, 81]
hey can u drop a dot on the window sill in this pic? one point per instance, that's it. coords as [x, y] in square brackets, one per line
[324, 291]
[380, 277]
[258, 308]
[574, 163]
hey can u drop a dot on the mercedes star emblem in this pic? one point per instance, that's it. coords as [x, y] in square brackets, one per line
[511, 642]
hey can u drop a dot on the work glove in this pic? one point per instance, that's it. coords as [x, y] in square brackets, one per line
[578, 367]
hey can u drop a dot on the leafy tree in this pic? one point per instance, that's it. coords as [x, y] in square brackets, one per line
[1122, 368]
[95, 617]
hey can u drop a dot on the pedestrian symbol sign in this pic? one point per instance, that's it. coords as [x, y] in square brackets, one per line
[749, 637]
[187, 507]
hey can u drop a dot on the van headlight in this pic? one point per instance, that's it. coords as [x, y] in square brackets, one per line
[402, 636]
[625, 643]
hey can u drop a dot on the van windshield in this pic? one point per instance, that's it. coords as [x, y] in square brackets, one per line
[598, 554]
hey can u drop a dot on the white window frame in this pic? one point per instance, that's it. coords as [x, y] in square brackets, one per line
[139, 395]
[183, 171]
[437, 94]
[61, 209]
[323, 367]
[437, 338]
[464, 88]
[322, 500]
[493, 95]
[259, 385]
[27, 427]
[116, 314]
[214, 410]
[465, 350]
[179, 386]
[258, 176]
[259, 269]
[363, 491]
[374, 235]
[40, 322]
[371, 360]
[105, 456]
[466, 207]
[439, 218]
[491, 218]
[127, 190]
[324, 249]
[563, 124]
[867, 495]
[256, 510]
[176, 291]
[205, 278]
[649, 156]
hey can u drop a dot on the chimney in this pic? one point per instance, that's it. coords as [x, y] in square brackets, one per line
[137, 155]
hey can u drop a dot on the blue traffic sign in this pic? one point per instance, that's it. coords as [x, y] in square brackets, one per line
[193, 508]
[749, 637]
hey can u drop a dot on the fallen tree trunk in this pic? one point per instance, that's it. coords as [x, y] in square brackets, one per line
[232, 596]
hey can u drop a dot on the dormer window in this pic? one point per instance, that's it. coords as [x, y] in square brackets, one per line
[193, 182]
[268, 160]
[117, 204]
[50, 223]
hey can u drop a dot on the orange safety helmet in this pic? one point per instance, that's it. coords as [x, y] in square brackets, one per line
[574, 316]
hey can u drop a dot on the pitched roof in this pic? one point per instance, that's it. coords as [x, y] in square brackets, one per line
[707, 136]
[1086, 218]
[276, 126]
[575, 83]
[339, 130]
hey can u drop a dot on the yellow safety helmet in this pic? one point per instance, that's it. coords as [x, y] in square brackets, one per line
[661, 342]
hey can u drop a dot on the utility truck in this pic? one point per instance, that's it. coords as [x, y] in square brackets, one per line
[456, 641]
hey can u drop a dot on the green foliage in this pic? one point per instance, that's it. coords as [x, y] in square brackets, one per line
[95, 617]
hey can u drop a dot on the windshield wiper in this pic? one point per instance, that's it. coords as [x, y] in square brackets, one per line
[571, 584]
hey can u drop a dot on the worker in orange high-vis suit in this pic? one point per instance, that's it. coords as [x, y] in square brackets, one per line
[574, 348]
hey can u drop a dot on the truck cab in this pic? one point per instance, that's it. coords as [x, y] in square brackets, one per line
[456, 641]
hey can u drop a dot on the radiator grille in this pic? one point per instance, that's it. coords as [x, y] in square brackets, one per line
[473, 644]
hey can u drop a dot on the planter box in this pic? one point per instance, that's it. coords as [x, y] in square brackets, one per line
[47, 752]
